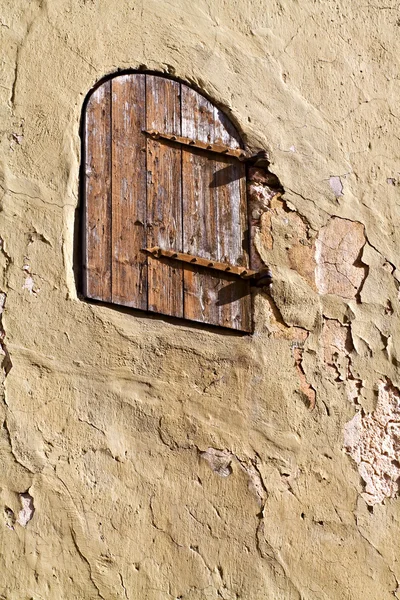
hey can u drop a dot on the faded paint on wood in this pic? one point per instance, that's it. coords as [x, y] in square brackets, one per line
[215, 221]
[129, 264]
[97, 276]
[164, 195]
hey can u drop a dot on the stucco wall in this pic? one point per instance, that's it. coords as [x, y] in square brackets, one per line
[148, 459]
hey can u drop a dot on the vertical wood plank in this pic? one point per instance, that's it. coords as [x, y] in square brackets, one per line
[164, 196]
[234, 299]
[230, 188]
[129, 264]
[224, 131]
[200, 211]
[97, 218]
[215, 218]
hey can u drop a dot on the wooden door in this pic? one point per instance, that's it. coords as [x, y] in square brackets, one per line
[142, 191]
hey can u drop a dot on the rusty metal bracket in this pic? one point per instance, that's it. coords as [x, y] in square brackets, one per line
[263, 276]
[216, 148]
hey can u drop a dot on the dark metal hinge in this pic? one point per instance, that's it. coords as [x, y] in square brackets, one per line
[238, 153]
[260, 278]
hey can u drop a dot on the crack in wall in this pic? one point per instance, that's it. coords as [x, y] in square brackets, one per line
[87, 562]
[123, 586]
[5, 360]
[221, 461]
[5, 363]
[307, 389]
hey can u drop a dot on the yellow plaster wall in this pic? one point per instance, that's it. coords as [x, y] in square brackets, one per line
[149, 459]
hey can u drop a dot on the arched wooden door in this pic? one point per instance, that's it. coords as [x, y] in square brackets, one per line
[162, 170]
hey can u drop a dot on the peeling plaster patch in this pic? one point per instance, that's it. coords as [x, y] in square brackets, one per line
[16, 138]
[336, 185]
[3, 298]
[337, 345]
[277, 328]
[6, 257]
[9, 518]
[27, 511]
[263, 186]
[260, 197]
[339, 267]
[353, 389]
[29, 283]
[336, 341]
[280, 234]
[373, 441]
[305, 387]
[219, 461]
[300, 249]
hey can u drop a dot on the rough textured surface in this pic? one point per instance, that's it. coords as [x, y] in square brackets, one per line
[147, 458]
[373, 441]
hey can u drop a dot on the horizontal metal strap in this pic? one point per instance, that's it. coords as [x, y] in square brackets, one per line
[216, 148]
[242, 272]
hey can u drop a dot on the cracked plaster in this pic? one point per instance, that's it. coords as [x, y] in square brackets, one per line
[118, 425]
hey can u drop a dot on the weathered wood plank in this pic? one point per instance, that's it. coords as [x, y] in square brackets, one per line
[200, 217]
[230, 188]
[164, 195]
[97, 217]
[224, 131]
[215, 218]
[129, 264]
[234, 300]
